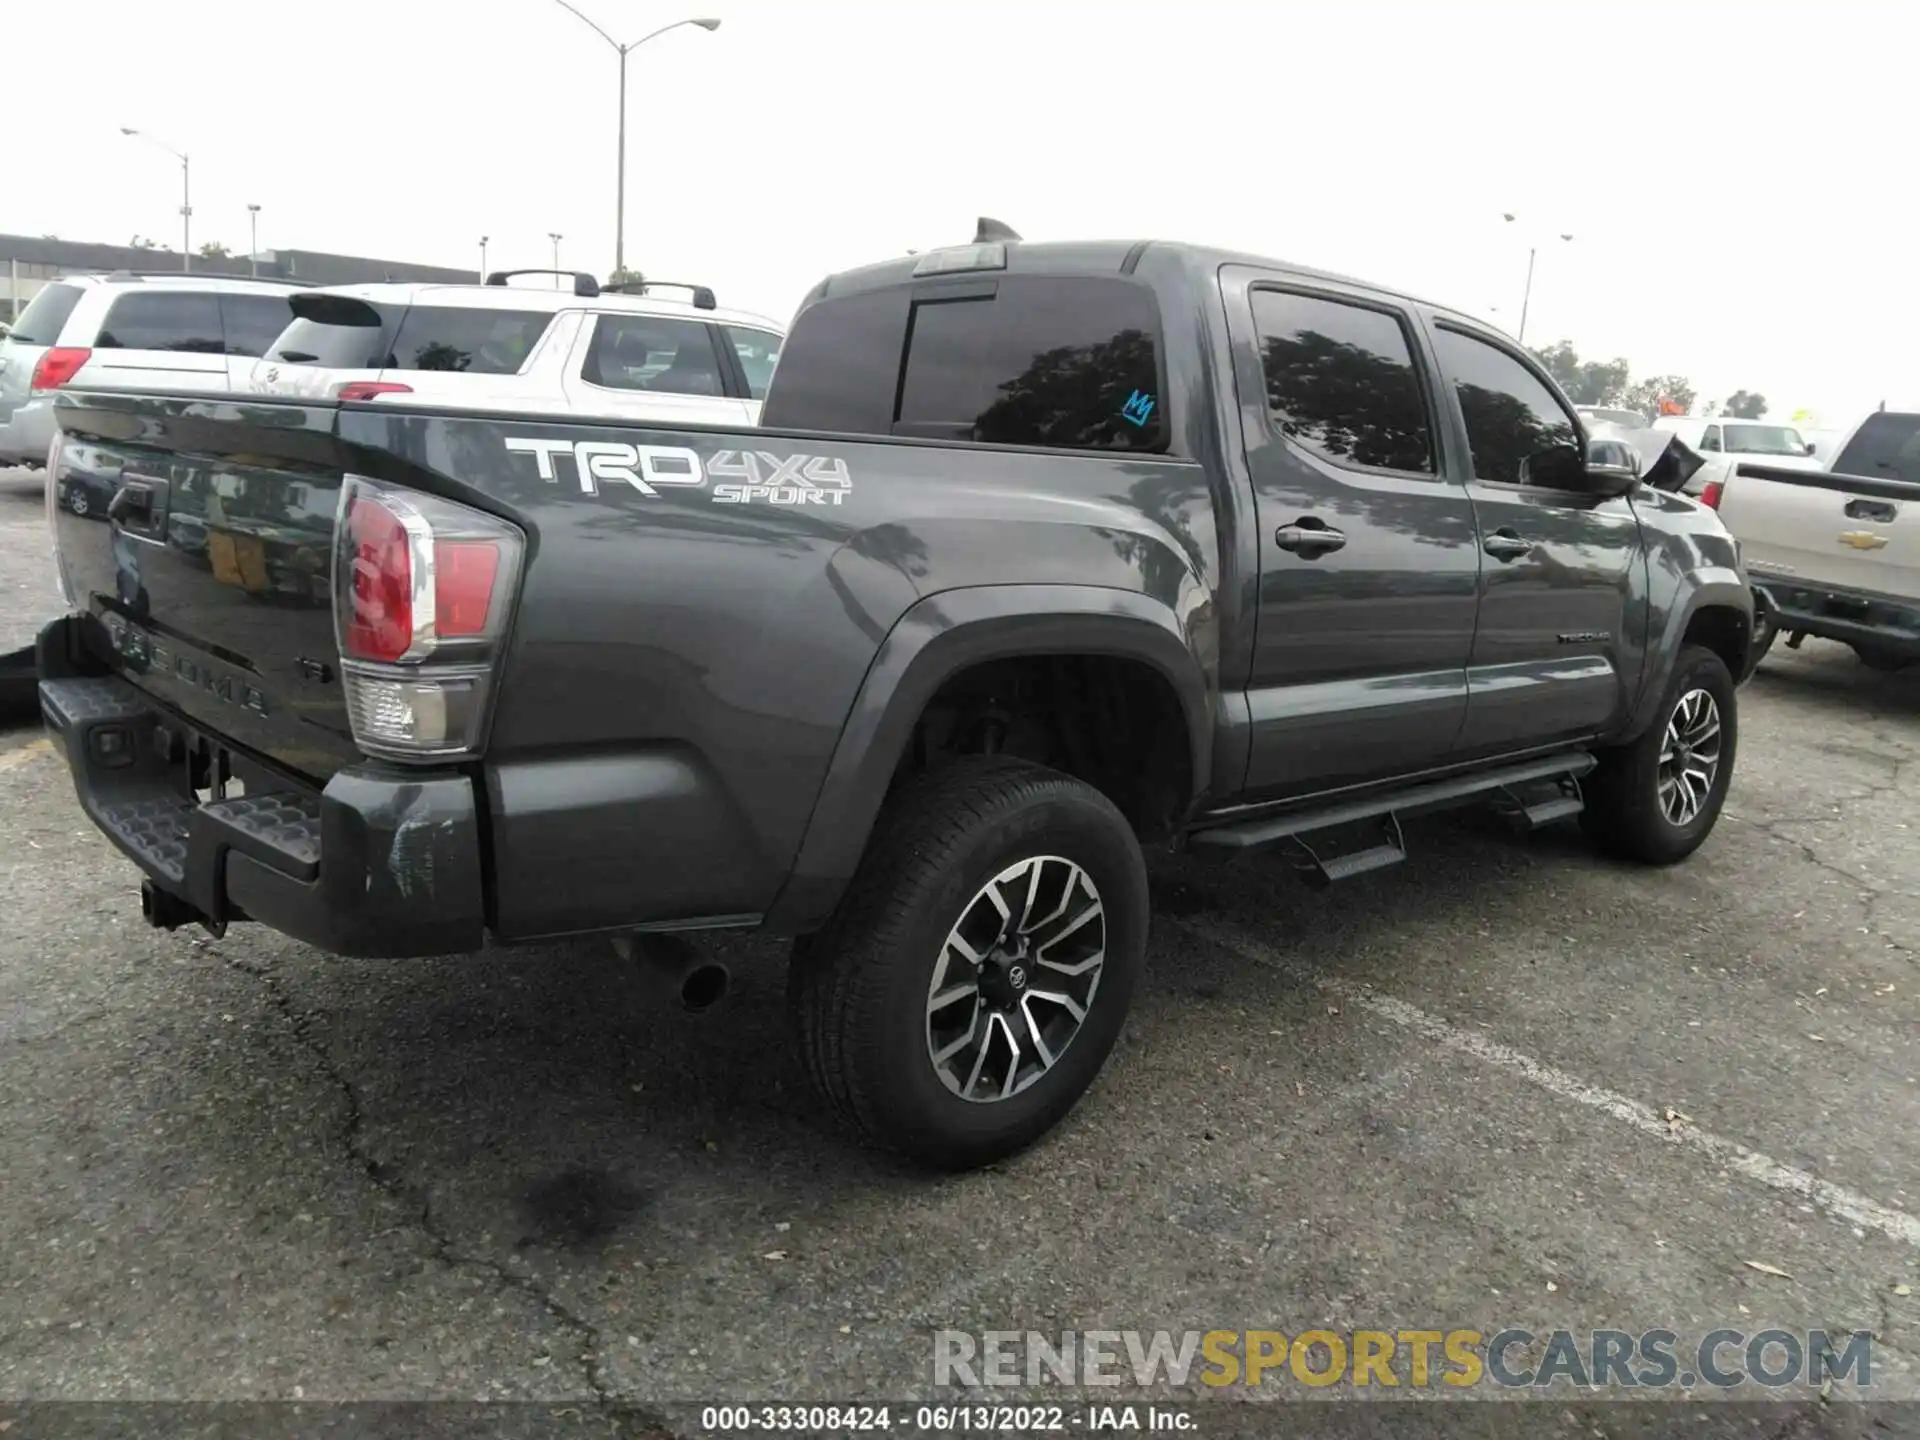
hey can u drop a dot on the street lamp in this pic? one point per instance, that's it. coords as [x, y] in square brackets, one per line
[620, 201]
[253, 240]
[1533, 253]
[186, 197]
[555, 238]
[483, 259]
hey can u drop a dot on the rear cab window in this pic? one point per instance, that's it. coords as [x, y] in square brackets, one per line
[170, 320]
[1055, 362]
[1886, 446]
[46, 315]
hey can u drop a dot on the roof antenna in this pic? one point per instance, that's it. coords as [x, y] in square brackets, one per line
[990, 230]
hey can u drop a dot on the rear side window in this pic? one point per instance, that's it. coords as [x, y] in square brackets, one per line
[759, 352]
[163, 320]
[475, 342]
[46, 315]
[1886, 446]
[1341, 381]
[253, 322]
[1059, 362]
[644, 352]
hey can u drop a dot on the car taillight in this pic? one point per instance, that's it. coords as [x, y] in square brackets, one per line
[367, 389]
[58, 365]
[423, 588]
[1710, 494]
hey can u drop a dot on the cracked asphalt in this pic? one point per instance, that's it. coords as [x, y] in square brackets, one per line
[239, 1169]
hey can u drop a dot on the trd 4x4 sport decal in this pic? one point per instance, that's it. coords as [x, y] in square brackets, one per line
[741, 476]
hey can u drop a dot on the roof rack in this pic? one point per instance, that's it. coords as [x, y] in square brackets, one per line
[583, 283]
[188, 275]
[702, 295]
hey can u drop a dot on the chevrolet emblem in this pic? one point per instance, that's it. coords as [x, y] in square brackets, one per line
[1863, 539]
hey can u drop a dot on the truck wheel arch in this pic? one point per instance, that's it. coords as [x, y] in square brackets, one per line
[936, 639]
[1719, 614]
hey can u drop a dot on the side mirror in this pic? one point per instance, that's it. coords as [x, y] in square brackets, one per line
[1612, 468]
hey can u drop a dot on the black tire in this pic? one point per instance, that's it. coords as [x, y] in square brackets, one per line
[858, 989]
[1624, 814]
[1882, 658]
[1766, 630]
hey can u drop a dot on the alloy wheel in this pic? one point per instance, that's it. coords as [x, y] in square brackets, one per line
[1689, 757]
[1015, 979]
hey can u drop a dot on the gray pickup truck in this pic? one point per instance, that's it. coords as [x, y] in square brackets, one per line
[1041, 554]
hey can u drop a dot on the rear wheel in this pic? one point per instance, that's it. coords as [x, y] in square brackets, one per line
[976, 975]
[1656, 800]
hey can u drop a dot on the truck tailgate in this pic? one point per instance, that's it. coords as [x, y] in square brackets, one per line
[1820, 529]
[205, 554]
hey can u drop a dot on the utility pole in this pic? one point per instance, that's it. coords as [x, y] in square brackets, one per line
[253, 240]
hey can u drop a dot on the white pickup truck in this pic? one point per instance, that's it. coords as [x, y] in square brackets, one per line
[1835, 553]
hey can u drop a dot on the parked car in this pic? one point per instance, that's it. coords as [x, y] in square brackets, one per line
[1836, 553]
[154, 332]
[579, 350]
[1614, 415]
[1042, 554]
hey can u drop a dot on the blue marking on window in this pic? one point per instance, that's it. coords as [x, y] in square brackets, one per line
[1138, 409]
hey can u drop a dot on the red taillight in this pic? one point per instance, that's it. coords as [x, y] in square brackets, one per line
[1710, 494]
[463, 575]
[380, 609]
[367, 389]
[58, 365]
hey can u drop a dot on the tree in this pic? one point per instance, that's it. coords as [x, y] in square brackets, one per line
[141, 242]
[1587, 382]
[625, 276]
[214, 250]
[1646, 395]
[1746, 405]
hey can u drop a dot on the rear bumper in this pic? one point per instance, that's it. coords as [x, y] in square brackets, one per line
[377, 863]
[1854, 617]
[26, 435]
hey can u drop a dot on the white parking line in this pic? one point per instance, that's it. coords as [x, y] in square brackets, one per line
[1850, 1205]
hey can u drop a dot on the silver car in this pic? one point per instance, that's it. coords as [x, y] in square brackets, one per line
[125, 331]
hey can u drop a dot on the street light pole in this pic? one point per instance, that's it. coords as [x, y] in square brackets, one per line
[556, 256]
[620, 183]
[1526, 296]
[483, 259]
[253, 240]
[186, 193]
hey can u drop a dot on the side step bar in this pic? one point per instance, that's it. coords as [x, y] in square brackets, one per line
[1532, 794]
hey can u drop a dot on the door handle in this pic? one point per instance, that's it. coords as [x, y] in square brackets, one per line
[1309, 538]
[1870, 510]
[1504, 545]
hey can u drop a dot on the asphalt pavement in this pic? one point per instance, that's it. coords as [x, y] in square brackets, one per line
[1506, 1084]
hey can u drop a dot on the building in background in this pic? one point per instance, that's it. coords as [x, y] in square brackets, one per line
[27, 262]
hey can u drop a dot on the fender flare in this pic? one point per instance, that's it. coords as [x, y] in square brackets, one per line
[1709, 588]
[934, 640]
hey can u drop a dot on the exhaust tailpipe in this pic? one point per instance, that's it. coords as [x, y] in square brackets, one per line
[693, 983]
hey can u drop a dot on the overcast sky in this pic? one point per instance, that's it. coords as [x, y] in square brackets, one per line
[1732, 174]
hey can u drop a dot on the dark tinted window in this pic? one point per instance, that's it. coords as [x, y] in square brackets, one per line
[759, 352]
[1510, 414]
[840, 367]
[40, 323]
[162, 320]
[253, 322]
[1886, 446]
[1064, 363]
[1340, 380]
[643, 352]
[478, 342]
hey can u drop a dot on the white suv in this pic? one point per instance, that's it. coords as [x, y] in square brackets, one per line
[123, 330]
[574, 351]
